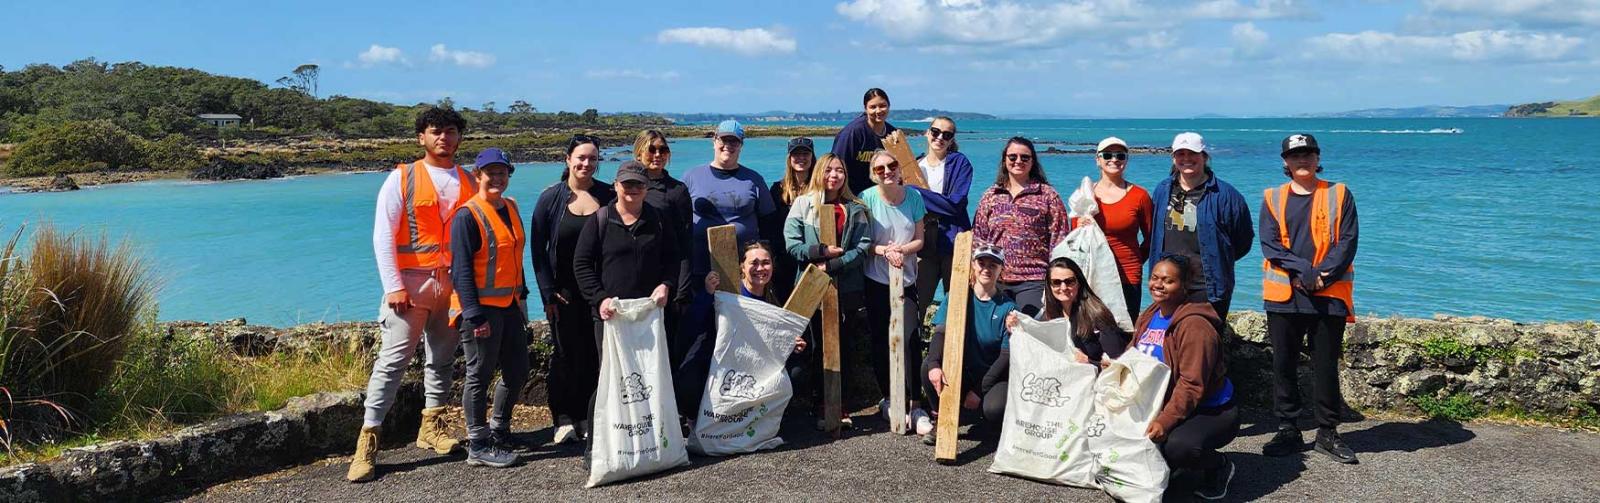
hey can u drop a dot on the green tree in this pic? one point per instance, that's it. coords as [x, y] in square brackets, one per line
[591, 116]
[77, 146]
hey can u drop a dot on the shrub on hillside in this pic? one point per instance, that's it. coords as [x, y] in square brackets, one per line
[76, 147]
[174, 152]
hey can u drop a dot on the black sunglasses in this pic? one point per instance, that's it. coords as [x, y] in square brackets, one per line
[1120, 156]
[659, 150]
[937, 133]
[1063, 283]
[1019, 157]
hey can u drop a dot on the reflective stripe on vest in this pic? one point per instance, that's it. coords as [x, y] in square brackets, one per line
[498, 277]
[423, 244]
[1325, 228]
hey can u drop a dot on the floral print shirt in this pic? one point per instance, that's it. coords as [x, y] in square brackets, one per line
[1026, 227]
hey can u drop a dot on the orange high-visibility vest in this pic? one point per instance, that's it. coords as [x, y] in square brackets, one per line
[1325, 227]
[423, 240]
[497, 266]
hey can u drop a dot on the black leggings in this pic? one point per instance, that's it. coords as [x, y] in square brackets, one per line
[575, 365]
[1193, 443]
[852, 324]
[877, 301]
[992, 406]
[1132, 295]
[1288, 332]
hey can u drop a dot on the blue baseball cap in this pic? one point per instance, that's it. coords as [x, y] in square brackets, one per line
[730, 127]
[490, 156]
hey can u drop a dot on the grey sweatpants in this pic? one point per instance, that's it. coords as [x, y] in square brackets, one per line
[427, 321]
[506, 350]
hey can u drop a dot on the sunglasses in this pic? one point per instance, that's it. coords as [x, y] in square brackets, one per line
[1019, 157]
[937, 133]
[884, 168]
[1063, 283]
[1120, 156]
[659, 150]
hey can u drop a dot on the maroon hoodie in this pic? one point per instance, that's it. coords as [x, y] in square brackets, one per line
[1193, 349]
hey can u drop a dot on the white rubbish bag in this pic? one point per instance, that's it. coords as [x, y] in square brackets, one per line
[1048, 405]
[635, 428]
[1128, 395]
[1087, 246]
[747, 389]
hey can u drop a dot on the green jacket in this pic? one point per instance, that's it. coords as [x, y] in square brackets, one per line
[802, 242]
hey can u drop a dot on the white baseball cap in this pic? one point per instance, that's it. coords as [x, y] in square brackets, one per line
[1110, 141]
[1189, 141]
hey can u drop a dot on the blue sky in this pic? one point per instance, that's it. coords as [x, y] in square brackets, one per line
[1111, 58]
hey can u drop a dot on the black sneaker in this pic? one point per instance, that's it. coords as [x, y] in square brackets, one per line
[507, 441]
[1287, 441]
[1214, 484]
[1331, 444]
[1348, 415]
[486, 453]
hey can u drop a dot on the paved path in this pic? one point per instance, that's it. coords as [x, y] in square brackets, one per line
[1400, 461]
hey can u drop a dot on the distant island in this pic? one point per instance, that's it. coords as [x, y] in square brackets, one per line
[1429, 111]
[895, 114]
[1588, 107]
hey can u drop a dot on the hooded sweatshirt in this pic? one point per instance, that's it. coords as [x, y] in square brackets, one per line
[1193, 350]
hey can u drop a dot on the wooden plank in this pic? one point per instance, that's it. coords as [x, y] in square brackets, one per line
[723, 243]
[897, 350]
[832, 379]
[900, 147]
[808, 292]
[955, 334]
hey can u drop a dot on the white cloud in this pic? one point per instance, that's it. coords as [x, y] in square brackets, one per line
[1262, 9]
[468, 59]
[749, 42]
[1155, 40]
[1472, 46]
[377, 55]
[630, 74]
[1249, 40]
[1527, 12]
[975, 22]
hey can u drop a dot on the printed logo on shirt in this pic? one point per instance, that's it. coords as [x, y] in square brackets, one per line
[634, 389]
[1152, 341]
[1185, 220]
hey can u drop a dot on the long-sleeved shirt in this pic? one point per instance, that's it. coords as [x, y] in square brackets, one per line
[855, 144]
[386, 221]
[950, 201]
[1123, 222]
[802, 241]
[627, 261]
[543, 240]
[672, 197]
[720, 197]
[1222, 229]
[1297, 258]
[1192, 349]
[1025, 227]
[465, 241]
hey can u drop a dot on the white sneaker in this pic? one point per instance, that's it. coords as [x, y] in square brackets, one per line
[921, 421]
[566, 434]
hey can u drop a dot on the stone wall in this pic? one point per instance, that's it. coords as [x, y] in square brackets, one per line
[1550, 369]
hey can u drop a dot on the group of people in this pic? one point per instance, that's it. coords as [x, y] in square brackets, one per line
[449, 250]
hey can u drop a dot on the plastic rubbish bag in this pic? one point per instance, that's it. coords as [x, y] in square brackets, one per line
[1048, 406]
[1128, 395]
[747, 389]
[636, 428]
[1087, 246]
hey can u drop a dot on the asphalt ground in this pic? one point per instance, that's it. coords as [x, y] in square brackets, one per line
[1401, 460]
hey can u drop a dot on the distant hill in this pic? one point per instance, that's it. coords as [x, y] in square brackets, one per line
[895, 115]
[1417, 112]
[1589, 107]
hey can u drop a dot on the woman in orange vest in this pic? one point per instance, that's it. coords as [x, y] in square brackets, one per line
[1308, 243]
[410, 242]
[490, 309]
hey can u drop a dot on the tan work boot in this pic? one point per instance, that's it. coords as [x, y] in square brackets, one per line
[363, 466]
[433, 433]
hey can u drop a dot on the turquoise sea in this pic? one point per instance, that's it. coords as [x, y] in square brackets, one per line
[1460, 216]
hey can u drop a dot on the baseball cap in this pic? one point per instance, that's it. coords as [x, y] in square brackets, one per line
[989, 252]
[1189, 141]
[801, 143]
[1109, 142]
[490, 156]
[730, 127]
[632, 171]
[1299, 141]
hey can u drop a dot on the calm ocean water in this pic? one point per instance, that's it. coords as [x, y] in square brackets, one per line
[1458, 216]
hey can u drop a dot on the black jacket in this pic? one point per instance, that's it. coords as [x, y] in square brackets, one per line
[623, 261]
[542, 229]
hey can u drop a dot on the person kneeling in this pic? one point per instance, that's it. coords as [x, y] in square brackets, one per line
[1199, 416]
[490, 309]
[983, 383]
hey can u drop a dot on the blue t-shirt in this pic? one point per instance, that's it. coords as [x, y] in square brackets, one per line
[720, 197]
[1153, 342]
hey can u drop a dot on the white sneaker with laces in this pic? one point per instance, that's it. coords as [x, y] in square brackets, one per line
[566, 434]
[921, 421]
